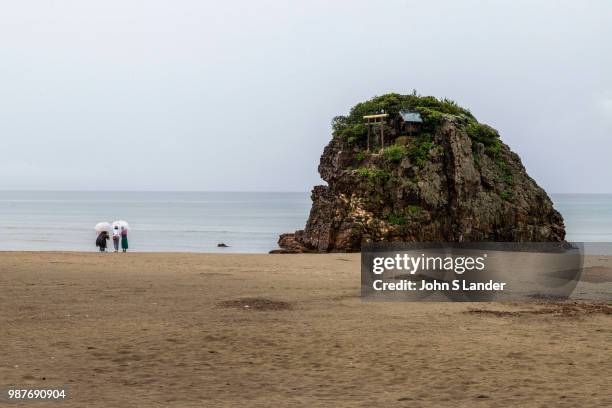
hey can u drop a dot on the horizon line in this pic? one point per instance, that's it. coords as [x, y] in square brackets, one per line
[210, 191]
[147, 191]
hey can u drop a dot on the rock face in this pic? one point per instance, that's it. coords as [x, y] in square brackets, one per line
[454, 181]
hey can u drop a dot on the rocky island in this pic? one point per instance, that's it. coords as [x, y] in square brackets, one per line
[420, 169]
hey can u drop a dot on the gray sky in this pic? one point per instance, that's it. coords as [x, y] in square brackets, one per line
[238, 95]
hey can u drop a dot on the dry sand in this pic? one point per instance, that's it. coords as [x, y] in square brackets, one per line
[174, 330]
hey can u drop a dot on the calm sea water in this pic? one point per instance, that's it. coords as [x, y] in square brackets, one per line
[248, 222]
[196, 222]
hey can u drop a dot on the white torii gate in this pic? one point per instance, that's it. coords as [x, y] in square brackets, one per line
[378, 119]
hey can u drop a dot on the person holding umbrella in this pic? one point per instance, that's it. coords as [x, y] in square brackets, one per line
[124, 239]
[116, 237]
[102, 230]
[101, 241]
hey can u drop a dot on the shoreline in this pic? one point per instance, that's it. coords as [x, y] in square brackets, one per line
[604, 248]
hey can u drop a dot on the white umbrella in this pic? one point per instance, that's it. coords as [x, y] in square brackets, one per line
[102, 226]
[121, 223]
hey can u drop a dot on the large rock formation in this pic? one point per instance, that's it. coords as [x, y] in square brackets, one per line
[453, 181]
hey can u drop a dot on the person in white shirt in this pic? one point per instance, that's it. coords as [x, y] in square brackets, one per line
[116, 238]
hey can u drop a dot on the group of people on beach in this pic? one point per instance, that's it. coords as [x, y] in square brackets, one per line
[120, 236]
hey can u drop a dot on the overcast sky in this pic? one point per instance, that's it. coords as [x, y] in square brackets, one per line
[238, 95]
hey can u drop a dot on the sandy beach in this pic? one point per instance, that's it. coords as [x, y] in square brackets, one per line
[193, 330]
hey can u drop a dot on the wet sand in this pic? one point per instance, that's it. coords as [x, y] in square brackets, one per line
[193, 330]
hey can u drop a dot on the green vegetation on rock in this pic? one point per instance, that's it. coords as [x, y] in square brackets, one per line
[485, 134]
[351, 128]
[401, 218]
[360, 156]
[414, 209]
[394, 154]
[433, 112]
[374, 175]
[507, 195]
[418, 149]
[482, 133]
[396, 219]
[504, 175]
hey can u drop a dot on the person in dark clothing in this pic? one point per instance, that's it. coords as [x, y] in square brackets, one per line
[101, 241]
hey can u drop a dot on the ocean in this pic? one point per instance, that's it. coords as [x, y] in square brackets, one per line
[198, 221]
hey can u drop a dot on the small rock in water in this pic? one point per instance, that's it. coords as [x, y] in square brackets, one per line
[222, 245]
